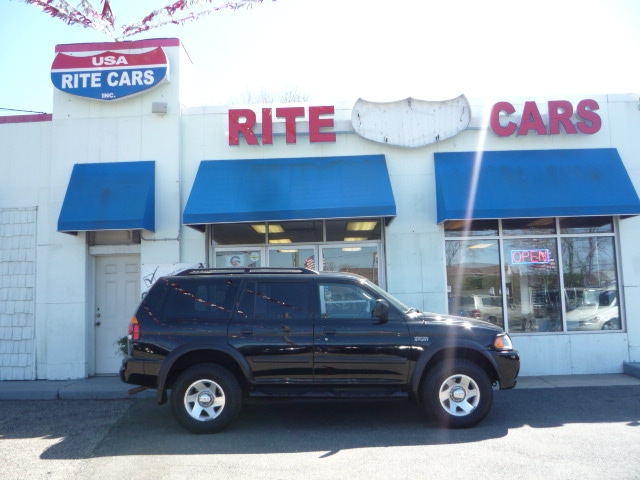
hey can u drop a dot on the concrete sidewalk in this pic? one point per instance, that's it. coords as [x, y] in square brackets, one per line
[110, 387]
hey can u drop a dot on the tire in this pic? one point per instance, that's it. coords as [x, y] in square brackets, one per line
[457, 394]
[206, 398]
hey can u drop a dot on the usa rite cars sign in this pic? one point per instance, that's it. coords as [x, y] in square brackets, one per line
[109, 75]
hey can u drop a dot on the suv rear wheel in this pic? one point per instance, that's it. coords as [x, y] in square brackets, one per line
[457, 394]
[206, 398]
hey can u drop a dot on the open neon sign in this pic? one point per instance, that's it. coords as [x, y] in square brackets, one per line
[525, 257]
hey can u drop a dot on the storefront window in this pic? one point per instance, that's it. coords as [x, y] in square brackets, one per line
[229, 258]
[528, 226]
[362, 260]
[590, 283]
[471, 228]
[558, 275]
[473, 280]
[586, 225]
[532, 285]
[292, 257]
[356, 229]
[237, 234]
[342, 245]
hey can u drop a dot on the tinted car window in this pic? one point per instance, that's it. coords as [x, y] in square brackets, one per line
[275, 300]
[202, 299]
[345, 300]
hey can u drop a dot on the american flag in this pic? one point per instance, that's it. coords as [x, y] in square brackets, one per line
[310, 263]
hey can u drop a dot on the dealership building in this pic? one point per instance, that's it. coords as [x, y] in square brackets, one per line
[523, 212]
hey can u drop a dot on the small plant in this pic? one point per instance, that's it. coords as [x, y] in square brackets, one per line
[122, 346]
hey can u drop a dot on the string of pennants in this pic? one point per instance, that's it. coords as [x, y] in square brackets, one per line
[103, 20]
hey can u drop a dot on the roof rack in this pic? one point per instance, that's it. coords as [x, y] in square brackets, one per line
[239, 270]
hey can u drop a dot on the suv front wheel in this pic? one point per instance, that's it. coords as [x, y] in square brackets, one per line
[206, 398]
[457, 393]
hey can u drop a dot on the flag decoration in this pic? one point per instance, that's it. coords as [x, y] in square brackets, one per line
[177, 13]
[310, 263]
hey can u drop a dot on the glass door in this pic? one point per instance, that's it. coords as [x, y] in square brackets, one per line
[239, 257]
[355, 258]
[298, 256]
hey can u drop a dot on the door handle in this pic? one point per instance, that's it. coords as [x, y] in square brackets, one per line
[98, 324]
[329, 331]
[247, 331]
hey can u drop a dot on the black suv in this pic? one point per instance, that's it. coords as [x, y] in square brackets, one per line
[216, 336]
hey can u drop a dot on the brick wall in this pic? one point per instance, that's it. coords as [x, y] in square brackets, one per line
[17, 293]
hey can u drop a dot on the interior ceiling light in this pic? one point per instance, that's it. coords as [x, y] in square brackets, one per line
[351, 249]
[361, 226]
[481, 245]
[279, 240]
[273, 228]
[355, 239]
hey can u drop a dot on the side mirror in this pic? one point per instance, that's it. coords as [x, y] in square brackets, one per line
[380, 313]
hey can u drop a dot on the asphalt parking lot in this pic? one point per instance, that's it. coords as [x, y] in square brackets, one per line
[543, 431]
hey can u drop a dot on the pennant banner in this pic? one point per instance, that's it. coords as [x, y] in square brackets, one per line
[177, 13]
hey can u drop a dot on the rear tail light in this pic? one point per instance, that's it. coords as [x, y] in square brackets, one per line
[134, 329]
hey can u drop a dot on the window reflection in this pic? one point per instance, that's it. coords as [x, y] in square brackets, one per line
[341, 300]
[531, 276]
[591, 292]
[356, 229]
[473, 280]
[586, 225]
[362, 260]
[298, 231]
[471, 228]
[535, 292]
[292, 257]
[529, 226]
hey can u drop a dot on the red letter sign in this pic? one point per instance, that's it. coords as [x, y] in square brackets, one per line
[495, 119]
[560, 112]
[531, 120]
[267, 127]
[236, 128]
[586, 113]
[289, 114]
[315, 123]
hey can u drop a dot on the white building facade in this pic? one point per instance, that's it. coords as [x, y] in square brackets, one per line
[523, 212]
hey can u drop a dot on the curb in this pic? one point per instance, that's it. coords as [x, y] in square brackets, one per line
[111, 388]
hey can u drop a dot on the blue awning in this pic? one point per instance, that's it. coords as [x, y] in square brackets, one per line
[109, 196]
[533, 183]
[226, 191]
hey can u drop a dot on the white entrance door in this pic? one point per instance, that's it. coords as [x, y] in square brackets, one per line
[117, 296]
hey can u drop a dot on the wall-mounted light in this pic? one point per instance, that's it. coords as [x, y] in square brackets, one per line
[159, 107]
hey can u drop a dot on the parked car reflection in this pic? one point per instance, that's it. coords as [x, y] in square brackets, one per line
[484, 307]
[596, 309]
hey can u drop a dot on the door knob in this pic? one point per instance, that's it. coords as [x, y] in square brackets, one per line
[98, 324]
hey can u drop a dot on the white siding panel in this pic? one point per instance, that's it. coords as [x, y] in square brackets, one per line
[17, 296]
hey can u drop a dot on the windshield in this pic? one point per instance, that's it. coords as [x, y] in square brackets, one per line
[380, 293]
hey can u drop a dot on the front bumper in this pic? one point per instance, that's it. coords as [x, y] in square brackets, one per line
[508, 366]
